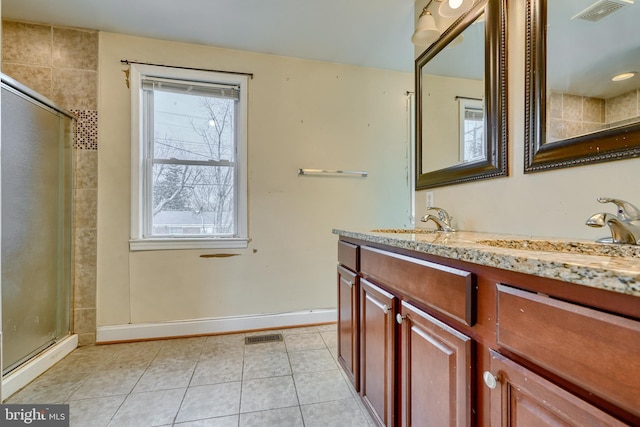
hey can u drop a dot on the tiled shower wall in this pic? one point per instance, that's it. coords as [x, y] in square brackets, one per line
[62, 64]
[573, 115]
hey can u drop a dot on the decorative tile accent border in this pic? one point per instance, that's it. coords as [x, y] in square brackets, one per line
[86, 129]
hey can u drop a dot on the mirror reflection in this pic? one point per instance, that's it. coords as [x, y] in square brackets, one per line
[582, 101]
[461, 100]
[593, 60]
[452, 99]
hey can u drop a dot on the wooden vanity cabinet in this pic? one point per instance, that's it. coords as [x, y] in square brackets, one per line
[521, 398]
[414, 369]
[378, 352]
[435, 371]
[444, 342]
[592, 350]
[349, 311]
[348, 329]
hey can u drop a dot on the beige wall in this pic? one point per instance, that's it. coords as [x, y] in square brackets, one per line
[302, 114]
[307, 114]
[440, 118]
[552, 203]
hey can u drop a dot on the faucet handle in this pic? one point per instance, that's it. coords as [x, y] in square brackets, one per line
[442, 214]
[626, 211]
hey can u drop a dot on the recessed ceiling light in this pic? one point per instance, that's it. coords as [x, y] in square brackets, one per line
[454, 8]
[623, 76]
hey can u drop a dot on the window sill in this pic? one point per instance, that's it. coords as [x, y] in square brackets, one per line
[180, 243]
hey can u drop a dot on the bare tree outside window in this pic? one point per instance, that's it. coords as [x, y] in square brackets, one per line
[188, 159]
[473, 135]
[472, 144]
[193, 170]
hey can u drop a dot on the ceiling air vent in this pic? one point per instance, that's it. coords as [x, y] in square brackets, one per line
[601, 9]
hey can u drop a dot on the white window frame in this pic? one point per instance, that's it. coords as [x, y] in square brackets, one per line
[465, 104]
[138, 242]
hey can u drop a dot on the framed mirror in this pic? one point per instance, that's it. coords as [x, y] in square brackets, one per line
[461, 124]
[579, 107]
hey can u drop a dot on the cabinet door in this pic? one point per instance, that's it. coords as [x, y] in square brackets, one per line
[348, 321]
[435, 371]
[377, 350]
[521, 398]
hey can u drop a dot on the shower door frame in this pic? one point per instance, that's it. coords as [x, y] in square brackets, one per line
[64, 221]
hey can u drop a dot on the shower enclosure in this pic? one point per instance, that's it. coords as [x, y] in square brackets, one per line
[36, 173]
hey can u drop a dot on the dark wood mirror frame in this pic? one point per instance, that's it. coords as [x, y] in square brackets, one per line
[495, 105]
[613, 144]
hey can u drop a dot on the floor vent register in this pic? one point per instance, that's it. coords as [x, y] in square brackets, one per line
[259, 339]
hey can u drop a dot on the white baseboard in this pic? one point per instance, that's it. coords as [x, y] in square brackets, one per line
[142, 331]
[31, 370]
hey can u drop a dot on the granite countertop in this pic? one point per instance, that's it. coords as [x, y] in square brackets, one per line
[605, 266]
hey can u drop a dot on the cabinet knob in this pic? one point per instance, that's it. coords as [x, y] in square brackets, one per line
[490, 380]
[348, 282]
[385, 309]
[399, 318]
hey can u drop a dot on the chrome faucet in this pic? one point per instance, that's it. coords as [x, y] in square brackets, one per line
[442, 221]
[625, 226]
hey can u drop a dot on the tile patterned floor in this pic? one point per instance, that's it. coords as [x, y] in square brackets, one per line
[205, 381]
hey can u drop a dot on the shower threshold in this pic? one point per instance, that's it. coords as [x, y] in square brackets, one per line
[29, 371]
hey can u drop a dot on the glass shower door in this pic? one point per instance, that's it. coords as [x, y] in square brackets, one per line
[36, 226]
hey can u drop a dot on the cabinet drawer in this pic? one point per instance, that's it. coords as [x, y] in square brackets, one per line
[348, 255]
[594, 350]
[445, 289]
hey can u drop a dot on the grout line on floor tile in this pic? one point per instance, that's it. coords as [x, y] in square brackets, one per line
[295, 387]
[193, 372]
[119, 357]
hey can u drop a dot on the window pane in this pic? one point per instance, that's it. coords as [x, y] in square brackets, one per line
[188, 158]
[189, 127]
[193, 200]
[473, 135]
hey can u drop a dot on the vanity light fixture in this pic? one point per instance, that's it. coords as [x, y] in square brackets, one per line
[454, 8]
[426, 31]
[623, 76]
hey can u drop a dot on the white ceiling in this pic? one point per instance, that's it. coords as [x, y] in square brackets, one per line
[583, 56]
[370, 33]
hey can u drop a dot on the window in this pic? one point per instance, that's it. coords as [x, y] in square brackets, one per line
[472, 147]
[188, 159]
